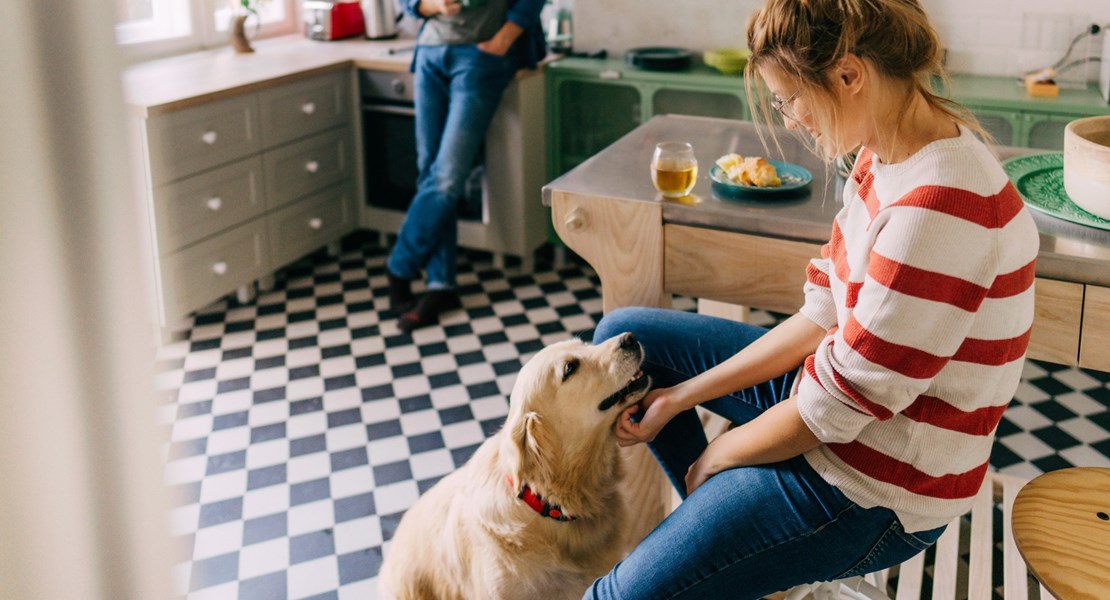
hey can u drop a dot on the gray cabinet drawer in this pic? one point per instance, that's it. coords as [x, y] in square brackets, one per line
[202, 273]
[192, 209]
[307, 166]
[192, 140]
[298, 109]
[308, 224]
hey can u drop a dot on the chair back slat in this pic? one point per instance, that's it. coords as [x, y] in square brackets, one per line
[910, 575]
[982, 525]
[1014, 569]
[947, 562]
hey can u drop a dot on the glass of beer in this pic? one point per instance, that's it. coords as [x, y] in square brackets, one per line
[674, 169]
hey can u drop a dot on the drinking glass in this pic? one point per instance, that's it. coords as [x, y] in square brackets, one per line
[674, 169]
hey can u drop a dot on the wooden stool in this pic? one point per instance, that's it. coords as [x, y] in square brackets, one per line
[1061, 525]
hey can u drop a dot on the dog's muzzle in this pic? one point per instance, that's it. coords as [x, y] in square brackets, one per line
[639, 381]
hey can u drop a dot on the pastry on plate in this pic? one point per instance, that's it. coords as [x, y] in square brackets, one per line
[751, 170]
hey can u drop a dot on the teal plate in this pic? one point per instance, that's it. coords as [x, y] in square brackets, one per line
[793, 178]
[1039, 178]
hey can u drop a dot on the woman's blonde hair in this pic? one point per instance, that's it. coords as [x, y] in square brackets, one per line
[804, 40]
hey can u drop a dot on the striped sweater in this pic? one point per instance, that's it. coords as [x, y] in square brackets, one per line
[926, 290]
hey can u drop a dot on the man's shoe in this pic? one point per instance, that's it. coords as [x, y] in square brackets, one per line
[400, 292]
[427, 309]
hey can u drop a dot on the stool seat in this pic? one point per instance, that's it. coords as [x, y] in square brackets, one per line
[1061, 523]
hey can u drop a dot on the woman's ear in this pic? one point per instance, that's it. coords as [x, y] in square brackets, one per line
[850, 73]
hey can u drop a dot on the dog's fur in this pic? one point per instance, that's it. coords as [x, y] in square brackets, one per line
[470, 537]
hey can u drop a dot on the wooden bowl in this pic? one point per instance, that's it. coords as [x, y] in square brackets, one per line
[1087, 164]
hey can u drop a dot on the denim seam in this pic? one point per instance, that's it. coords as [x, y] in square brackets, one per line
[880, 545]
[771, 547]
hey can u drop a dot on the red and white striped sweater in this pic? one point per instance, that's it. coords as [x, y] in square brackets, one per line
[926, 288]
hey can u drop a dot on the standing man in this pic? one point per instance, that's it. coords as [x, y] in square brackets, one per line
[467, 53]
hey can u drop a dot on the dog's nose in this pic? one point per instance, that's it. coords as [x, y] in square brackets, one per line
[628, 342]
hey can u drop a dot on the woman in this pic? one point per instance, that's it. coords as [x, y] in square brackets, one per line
[910, 341]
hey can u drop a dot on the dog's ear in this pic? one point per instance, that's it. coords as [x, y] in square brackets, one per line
[529, 437]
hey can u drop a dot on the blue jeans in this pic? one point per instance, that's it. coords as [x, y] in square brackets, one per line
[458, 88]
[746, 532]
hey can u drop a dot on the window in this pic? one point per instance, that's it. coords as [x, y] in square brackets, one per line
[151, 28]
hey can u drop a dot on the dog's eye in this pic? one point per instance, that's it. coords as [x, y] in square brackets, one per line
[569, 368]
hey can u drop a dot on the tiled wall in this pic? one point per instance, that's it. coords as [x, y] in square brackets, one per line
[989, 37]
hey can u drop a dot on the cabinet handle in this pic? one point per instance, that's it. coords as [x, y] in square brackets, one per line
[315, 222]
[312, 166]
[308, 108]
[219, 268]
[214, 204]
[576, 220]
[209, 137]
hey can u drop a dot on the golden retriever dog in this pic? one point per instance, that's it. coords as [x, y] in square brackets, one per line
[536, 512]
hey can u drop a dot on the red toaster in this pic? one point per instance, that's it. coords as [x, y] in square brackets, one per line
[333, 20]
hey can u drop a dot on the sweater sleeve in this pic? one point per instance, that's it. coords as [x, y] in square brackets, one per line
[928, 271]
[819, 306]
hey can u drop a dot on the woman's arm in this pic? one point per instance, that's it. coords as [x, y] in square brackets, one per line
[778, 351]
[776, 435]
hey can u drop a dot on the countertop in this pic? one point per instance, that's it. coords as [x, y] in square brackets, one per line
[1068, 251]
[181, 81]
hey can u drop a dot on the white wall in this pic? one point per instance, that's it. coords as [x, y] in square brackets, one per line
[987, 37]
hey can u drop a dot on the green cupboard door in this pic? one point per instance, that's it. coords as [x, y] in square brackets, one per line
[1002, 125]
[1046, 131]
[593, 115]
[698, 103]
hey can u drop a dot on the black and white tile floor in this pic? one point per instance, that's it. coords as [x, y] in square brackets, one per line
[305, 423]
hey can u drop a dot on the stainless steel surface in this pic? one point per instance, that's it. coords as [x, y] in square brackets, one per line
[1068, 251]
[385, 85]
[381, 18]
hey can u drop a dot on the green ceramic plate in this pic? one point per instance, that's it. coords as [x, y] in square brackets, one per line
[1039, 178]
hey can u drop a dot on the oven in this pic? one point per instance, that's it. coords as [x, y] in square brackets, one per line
[389, 151]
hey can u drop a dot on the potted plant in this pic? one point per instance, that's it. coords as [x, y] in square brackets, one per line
[241, 11]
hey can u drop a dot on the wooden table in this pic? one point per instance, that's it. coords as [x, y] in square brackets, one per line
[1061, 524]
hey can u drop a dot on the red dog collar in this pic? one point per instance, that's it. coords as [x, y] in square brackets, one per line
[536, 503]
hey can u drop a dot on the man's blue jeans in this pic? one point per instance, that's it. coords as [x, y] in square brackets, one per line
[458, 88]
[746, 532]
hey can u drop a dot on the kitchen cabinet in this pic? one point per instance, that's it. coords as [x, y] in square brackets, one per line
[241, 185]
[591, 103]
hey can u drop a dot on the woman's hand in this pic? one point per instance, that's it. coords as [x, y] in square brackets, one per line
[501, 41]
[707, 465]
[431, 8]
[655, 411]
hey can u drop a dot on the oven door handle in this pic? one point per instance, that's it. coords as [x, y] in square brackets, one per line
[389, 109]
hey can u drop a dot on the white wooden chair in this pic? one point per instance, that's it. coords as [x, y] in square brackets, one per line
[950, 581]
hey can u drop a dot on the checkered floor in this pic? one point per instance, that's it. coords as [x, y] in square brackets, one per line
[305, 423]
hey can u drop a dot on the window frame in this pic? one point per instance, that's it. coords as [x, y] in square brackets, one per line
[204, 34]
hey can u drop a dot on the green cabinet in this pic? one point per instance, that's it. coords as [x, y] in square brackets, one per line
[592, 103]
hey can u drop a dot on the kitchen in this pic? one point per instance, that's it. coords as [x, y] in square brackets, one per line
[78, 457]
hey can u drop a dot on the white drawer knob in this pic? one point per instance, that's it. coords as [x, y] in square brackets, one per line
[214, 204]
[209, 137]
[219, 268]
[312, 166]
[308, 108]
[315, 222]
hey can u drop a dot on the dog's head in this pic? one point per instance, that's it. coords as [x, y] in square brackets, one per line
[565, 402]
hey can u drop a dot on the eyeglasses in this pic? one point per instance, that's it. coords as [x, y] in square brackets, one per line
[783, 106]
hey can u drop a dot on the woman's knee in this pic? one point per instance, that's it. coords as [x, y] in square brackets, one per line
[619, 321]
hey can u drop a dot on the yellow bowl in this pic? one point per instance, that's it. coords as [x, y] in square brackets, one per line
[730, 61]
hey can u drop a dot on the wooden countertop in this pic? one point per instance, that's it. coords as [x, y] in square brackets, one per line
[181, 81]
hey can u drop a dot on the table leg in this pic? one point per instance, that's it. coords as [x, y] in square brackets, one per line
[623, 242]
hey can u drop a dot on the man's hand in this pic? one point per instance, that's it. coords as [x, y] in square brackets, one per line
[431, 8]
[501, 41]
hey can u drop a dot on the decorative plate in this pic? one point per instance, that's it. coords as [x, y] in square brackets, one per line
[793, 178]
[1039, 178]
